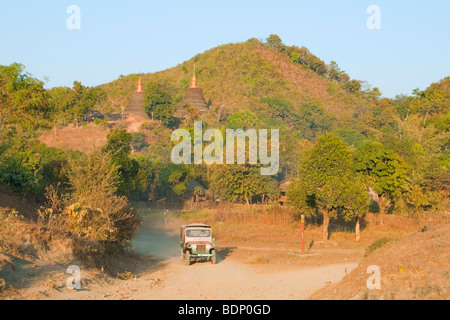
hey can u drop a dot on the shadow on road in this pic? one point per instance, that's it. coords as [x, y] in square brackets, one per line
[223, 253]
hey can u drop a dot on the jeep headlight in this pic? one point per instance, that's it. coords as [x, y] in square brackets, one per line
[194, 247]
[208, 247]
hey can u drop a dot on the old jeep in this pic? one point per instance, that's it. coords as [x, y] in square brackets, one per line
[196, 242]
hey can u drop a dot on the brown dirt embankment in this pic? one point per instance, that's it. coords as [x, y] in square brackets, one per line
[417, 267]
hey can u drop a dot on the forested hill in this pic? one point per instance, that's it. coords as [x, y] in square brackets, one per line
[289, 87]
[240, 76]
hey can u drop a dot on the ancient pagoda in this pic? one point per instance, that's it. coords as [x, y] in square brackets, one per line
[193, 97]
[137, 102]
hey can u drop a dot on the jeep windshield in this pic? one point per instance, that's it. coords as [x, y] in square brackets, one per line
[198, 233]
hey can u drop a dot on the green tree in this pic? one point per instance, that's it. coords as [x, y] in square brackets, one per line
[298, 197]
[277, 107]
[32, 168]
[158, 103]
[23, 98]
[313, 119]
[330, 189]
[402, 104]
[274, 41]
[72, 104]
[198, 192]
[355, 201]
[175, 178]
[15, 176]
[242, 119]
[386, 172]
[304, 57]
[132, 177]
[242, 183]
[335, 73]
[353, 86]
[351, 137]
[138, 141]
[322, 167]
[119, 146]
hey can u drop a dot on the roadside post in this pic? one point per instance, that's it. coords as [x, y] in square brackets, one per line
[302, 220]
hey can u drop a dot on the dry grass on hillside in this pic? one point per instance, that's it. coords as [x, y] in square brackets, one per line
[22, 242]
[416, 267]
[92, 136]
[84, 139]
[25, 205]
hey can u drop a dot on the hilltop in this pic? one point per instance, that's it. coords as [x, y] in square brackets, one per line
[239, 75]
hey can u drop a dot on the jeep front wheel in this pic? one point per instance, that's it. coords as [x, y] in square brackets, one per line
[187, 257]
[182, 254]
[213, 258]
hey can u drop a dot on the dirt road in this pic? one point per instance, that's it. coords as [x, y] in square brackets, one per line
[160, 274]
[229, 278]
[234, 280]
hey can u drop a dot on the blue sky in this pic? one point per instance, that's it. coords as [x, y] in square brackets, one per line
[411, 50]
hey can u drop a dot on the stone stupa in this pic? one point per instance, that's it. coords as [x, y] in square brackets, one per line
[193, 97]
[136, 104]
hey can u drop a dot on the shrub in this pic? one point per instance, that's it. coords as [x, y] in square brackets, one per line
[377, 244]
[138, 141]
[100, 222]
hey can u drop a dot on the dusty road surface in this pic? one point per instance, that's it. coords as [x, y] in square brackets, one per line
[230, 278]
[234, 280]
[160, 274]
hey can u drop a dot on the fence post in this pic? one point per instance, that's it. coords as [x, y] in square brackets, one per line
[303, 232]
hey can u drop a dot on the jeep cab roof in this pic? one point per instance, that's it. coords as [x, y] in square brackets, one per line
[195, 225]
